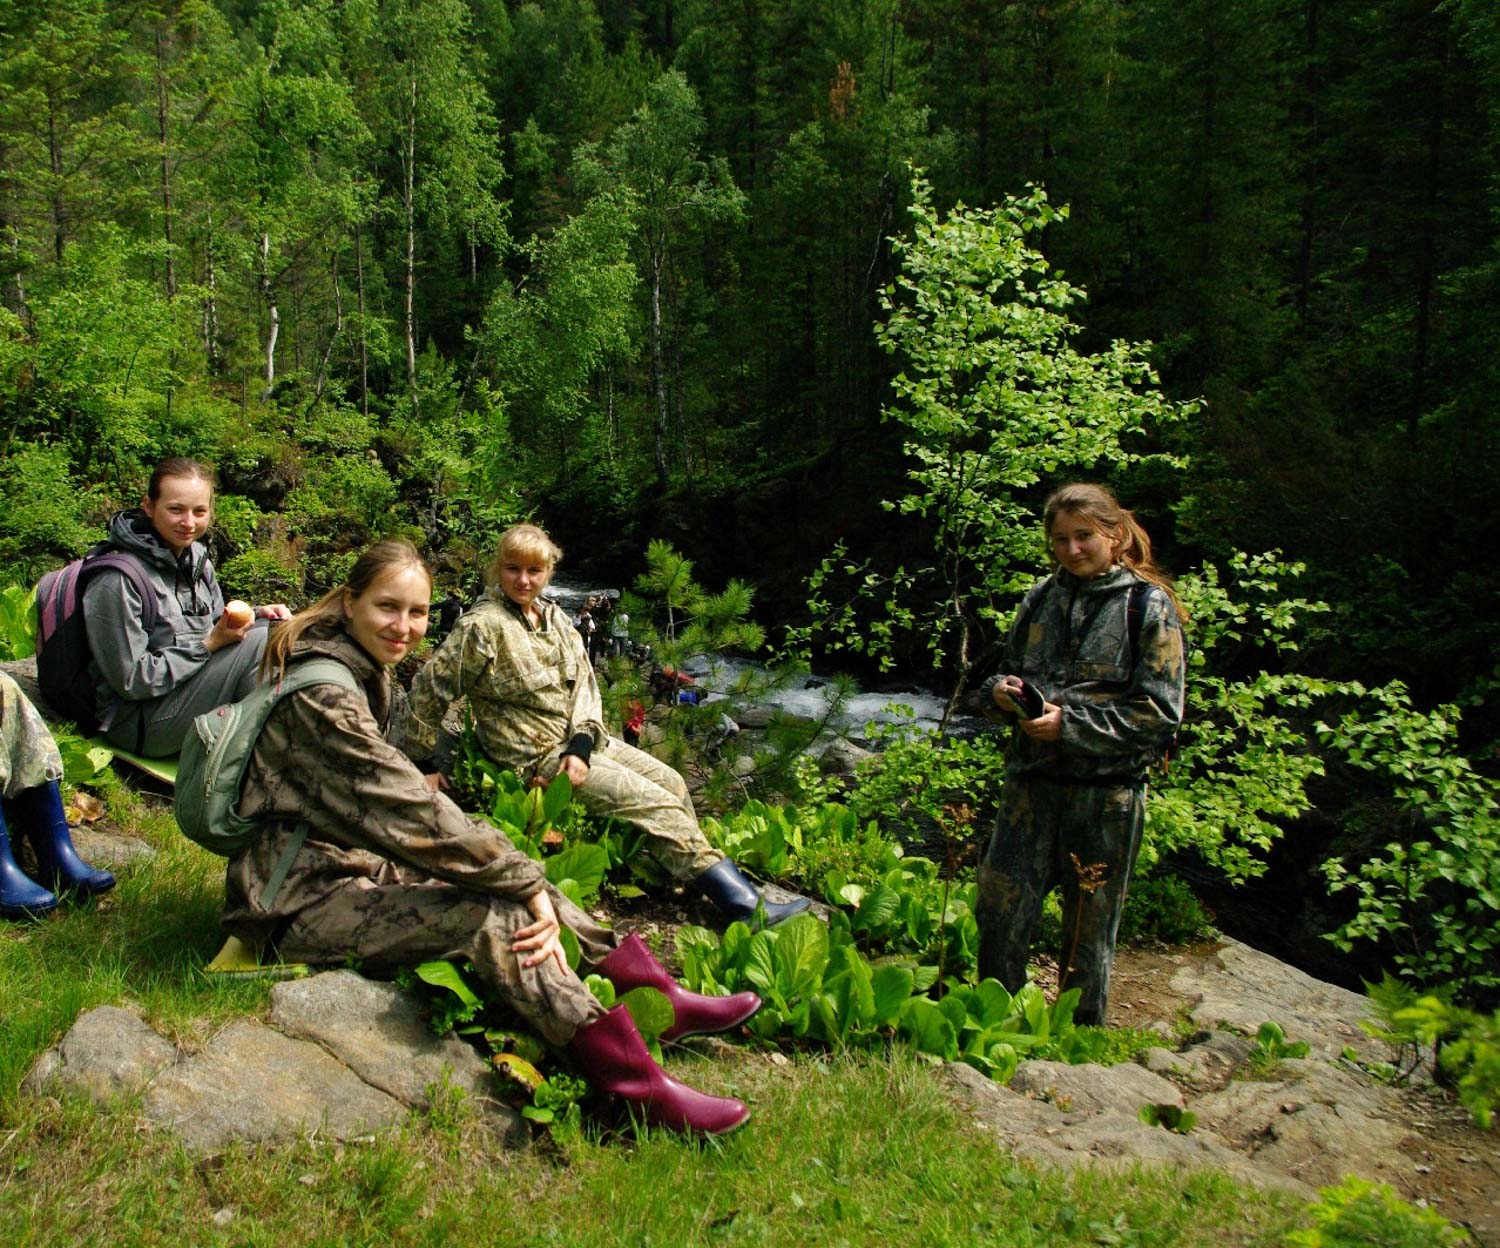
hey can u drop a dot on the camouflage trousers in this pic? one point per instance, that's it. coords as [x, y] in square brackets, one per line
[1083, 838]
[628, 784]
[28, 755]
[407, 917]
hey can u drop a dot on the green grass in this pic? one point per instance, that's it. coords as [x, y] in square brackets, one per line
[840, 1150]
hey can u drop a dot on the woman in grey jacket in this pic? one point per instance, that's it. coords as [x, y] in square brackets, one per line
[1095, 676]
[198, 656]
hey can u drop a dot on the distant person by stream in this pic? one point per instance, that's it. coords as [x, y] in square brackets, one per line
[537, 711]
[1095, 674]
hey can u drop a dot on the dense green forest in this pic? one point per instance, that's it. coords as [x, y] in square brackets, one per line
[636, 269]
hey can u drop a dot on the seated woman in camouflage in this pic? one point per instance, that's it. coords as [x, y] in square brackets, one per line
[394, 873]
[30, 768]
[522, 665]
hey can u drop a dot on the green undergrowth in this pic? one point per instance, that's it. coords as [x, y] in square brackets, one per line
[856, 1150]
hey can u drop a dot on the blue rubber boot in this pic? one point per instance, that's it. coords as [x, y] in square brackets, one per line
[21, 897]
[40, 812]
[737, 897]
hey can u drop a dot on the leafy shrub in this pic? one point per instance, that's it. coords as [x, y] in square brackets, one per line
[909, 784]
[17, 623]
[1434, 894]
[235, 519]
[260, 575]
[1464, 1044]
[1162, 907]
[45, 517]
[1360, 1214]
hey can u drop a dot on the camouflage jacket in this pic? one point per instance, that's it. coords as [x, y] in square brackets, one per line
[323, 757]
[1076, 651]
[532, 689]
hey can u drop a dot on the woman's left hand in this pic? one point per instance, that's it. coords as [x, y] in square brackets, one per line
[273, 611]
[1045, 727]
[541, 936]
[574, 768]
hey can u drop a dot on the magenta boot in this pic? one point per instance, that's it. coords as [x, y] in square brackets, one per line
[632, 965]
[612, 1055]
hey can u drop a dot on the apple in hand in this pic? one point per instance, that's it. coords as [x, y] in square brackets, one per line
[238, 613]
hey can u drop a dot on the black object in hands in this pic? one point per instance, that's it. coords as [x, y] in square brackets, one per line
[1032, 704]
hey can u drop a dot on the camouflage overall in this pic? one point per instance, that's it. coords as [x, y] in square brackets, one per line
[28, 755]
[1072, 810]
[391, 873]
[532, 691]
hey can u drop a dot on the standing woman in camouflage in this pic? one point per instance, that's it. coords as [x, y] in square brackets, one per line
[393, 873]
[1099, 644]
[523, 667]
[30, 768]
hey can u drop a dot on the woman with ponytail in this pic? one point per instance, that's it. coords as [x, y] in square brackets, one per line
[1096, 665]
[393, 873]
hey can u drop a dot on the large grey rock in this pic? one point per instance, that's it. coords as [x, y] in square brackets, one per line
[1248, 988]
[108, 1052]
[1212, 1062]
[99, 849]
[841, 758]
[1040, 1132]
[252, 1083]
[377, 1031]
[1091, 1089]
[1316, 1122]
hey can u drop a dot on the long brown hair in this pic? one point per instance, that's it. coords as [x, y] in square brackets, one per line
[390, 555]
[1103, 511]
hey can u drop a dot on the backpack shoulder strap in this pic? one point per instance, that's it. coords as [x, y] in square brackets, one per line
[1031, 603]
[321, 671]
[303, 676]
[1135, 607]
[127, 565]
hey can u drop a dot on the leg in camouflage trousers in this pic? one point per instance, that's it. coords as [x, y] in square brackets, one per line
[415, 917]
[1081, 837]
[629, 784]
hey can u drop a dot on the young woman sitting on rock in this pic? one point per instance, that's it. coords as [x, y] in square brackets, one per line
[394, 873]
[199, 655]
[522, 665]
[30, 768]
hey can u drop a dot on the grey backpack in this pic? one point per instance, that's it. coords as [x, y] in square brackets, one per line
[212, 767]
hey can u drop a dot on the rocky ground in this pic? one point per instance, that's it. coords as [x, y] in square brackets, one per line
[341, 1055]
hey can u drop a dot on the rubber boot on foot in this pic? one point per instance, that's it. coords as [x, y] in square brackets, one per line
[633, 965]
[21, 897]
[726, 886]
[40, 812]
[614, 1058]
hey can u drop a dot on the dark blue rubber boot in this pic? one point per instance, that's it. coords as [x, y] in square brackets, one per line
[737, 897]
[38, 815]
[21, 897]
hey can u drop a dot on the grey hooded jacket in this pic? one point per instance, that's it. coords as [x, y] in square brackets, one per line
[126, 663]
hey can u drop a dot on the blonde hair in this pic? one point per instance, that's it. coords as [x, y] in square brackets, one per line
[1103, 511]
[524, 541]
[383, 558]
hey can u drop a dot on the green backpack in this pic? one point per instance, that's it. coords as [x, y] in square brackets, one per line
[212, 768]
